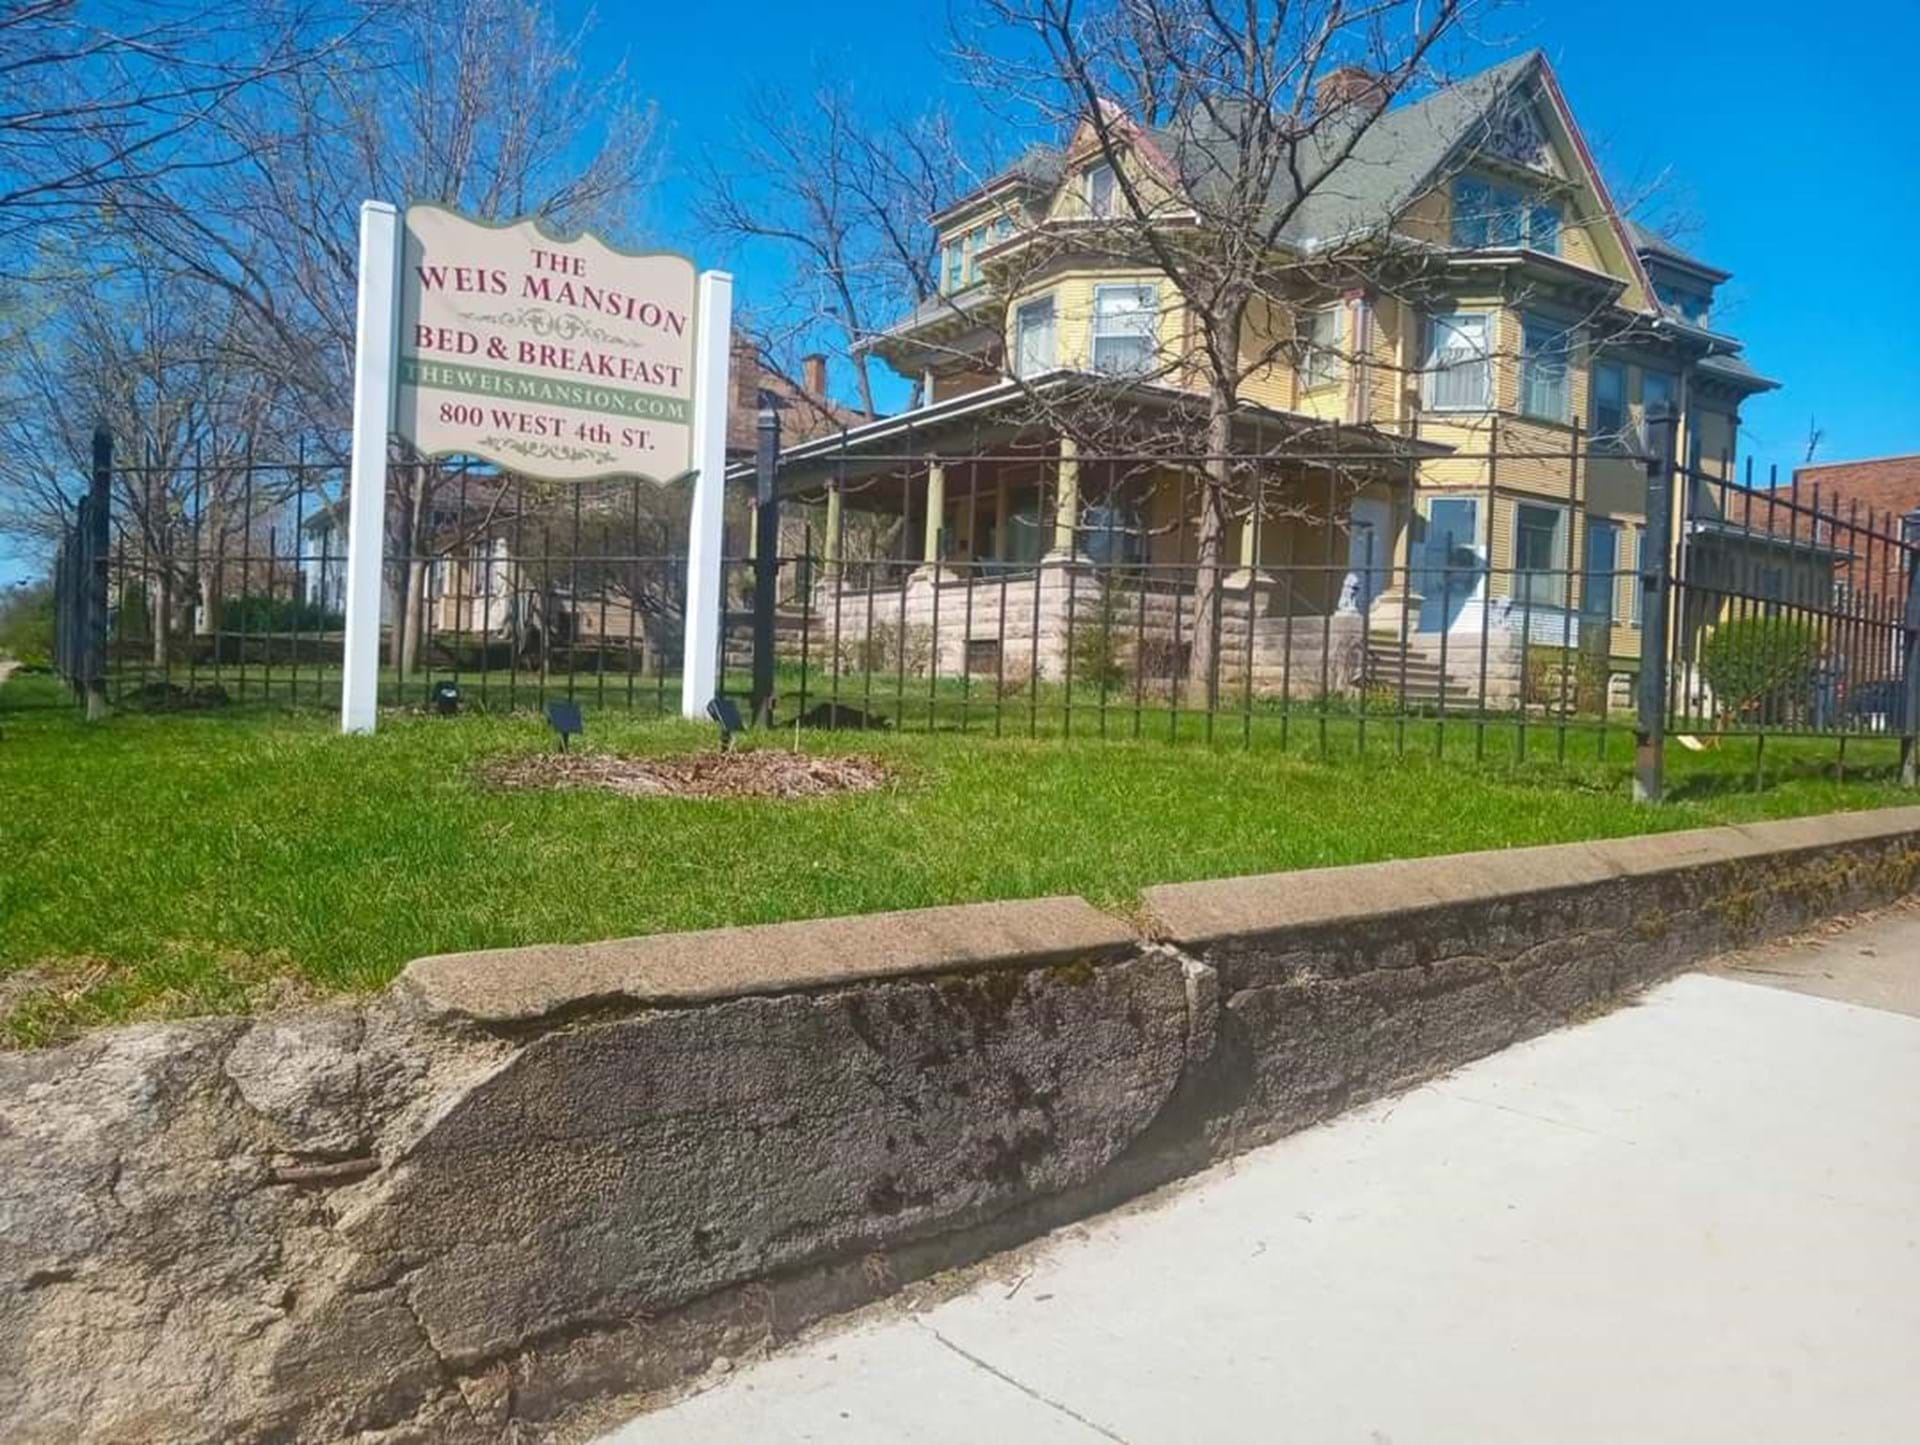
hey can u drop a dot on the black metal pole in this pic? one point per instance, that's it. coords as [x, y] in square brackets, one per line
[1656, 554]
[1910, 677]
[97, 542]
[766, 563]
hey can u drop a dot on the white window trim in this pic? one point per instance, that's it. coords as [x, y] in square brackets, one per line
[1430, 379]
[1556, 570]
[1152, 310]
[1113, 193]
[1537, 323]
[1312, 352]
[1036, 304]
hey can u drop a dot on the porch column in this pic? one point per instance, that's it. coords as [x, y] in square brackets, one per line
[831, 551]
[1248, 573]
[1066, 506]
[1399, 600]
[936, 512]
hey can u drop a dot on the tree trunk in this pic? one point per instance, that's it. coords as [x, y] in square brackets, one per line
[160, 614]
[413, 577]
[1210, 538]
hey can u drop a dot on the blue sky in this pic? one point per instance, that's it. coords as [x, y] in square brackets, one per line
[1783, 139]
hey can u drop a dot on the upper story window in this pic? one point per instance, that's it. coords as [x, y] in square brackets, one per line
[1607, 382]
[976, 243]
[1458, 368]
[1689, 304]
[1100, 190]
[953, 265]
[1125, 319]
[1320, 354]
[1033, 337]
[1487, 215]
[1002, 228]
[1544, 350]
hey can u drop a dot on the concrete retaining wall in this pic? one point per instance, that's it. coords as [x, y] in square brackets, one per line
[521, 1182]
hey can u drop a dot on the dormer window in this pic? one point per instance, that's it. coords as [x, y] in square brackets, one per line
[976, 243]
[1486, 216]
[1684, 301]
[1100, 191]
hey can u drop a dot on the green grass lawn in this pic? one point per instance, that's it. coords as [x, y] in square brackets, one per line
[159, 864]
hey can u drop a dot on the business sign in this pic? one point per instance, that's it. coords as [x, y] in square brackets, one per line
[563, 360]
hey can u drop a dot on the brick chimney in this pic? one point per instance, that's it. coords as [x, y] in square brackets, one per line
[813, 375]
[1349, 86]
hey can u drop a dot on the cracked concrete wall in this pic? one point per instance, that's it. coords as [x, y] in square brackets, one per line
[523, 1181]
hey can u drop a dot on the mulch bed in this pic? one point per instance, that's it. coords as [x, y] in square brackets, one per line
[756, 773]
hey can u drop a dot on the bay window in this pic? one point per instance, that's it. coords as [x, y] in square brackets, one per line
[1033, 338]
[1458, 369]
[1543, 370]
[1124, 322]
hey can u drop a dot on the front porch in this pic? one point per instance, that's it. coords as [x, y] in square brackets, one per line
[985, 538]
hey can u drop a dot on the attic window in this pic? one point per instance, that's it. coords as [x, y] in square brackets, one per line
[1486, 215]
[1100, 190]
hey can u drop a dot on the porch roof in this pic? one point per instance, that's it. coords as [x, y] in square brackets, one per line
[1015, 409]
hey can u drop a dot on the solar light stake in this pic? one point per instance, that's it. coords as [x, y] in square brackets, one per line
[563, 715]
[724, 713]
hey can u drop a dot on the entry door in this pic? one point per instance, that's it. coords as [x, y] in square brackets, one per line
[1453, 573]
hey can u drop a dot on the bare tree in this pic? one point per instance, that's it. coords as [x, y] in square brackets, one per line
[96, 94]
[842, 199]
[484, 105]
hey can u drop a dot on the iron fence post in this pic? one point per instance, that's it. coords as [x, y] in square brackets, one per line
[766, 563]
[1910, 677]
[96, 543]
[1656, 557]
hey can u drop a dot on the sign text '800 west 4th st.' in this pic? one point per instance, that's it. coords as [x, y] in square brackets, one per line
[557, 359]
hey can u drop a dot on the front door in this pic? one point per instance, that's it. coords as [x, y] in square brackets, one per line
[1452, 571]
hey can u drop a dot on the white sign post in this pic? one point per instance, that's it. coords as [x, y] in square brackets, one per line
[700, 661]
[562, 360]
[376, 326]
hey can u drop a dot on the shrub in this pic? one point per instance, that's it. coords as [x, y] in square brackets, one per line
[253, 612]
[26, 627]
[888, 648]
[1573, 678]
[1093, 652]
[1760, 666]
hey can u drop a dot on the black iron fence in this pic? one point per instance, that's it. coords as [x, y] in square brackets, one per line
[1530, 602]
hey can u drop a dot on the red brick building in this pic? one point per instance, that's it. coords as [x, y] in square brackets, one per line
[1884, 484]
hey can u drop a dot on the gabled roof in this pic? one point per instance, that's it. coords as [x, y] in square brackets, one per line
[1395, 158]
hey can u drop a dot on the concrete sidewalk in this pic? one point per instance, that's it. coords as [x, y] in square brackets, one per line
[1696, 1219]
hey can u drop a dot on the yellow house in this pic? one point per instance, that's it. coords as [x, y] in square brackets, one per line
[1440, 409]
